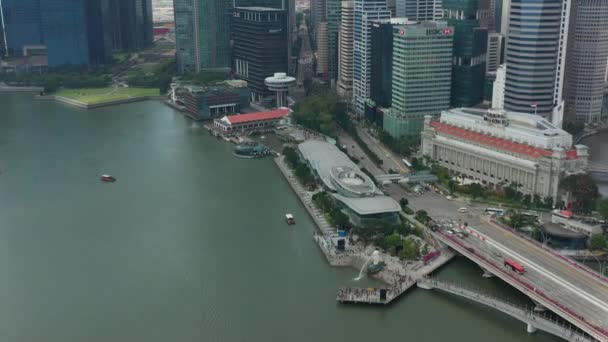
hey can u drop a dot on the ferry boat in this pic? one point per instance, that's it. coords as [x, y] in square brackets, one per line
[289, 218]
[108, 178]
[250, 150]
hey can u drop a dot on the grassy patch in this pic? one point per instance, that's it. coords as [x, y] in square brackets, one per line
[101, 95]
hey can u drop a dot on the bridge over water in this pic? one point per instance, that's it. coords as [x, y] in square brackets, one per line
[534, 320]
[561, 285]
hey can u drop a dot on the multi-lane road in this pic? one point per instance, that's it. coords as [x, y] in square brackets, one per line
[578, 290]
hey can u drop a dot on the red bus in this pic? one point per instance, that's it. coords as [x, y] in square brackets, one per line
[515, 266]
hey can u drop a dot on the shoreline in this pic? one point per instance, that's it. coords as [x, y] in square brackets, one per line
[76, 103]
[398, 276]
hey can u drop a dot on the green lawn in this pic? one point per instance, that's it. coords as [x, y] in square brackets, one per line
[100, 95]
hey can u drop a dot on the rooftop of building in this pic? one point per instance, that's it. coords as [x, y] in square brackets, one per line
[217, 86]
[257, 116]
[397, 21]
[369, 205]
[558, 230]
[342, 177]
[259, 9]
[521, 133]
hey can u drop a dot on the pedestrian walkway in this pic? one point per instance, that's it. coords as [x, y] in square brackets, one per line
[305, 197]
[533, 319]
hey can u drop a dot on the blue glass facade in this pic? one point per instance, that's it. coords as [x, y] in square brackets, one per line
[22, 24]
[64, 29]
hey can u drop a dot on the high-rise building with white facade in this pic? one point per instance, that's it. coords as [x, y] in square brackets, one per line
[498, 90]
[366, 12]
[419, 10]
[535, 56]
[586, 66]
[345, 51]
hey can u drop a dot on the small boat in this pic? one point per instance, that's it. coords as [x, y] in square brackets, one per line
[289, 218]
[108, 178]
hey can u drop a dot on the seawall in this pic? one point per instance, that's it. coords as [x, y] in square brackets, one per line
[83, 105]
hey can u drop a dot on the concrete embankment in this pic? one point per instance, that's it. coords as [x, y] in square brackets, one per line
[396, 275]
[79, 104]
[10, 89]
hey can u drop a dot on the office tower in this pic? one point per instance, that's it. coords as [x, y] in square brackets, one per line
[382, 60]
[202, 35]
[505, 11]
[494, 53]
[535, 57]
[318, 15]
[345, 51]
[20, 20]
[333, 15]
[586, 60]
[64, 28]
[366, 11]
[419, 10]
[392, 6]
[259, 46]
[99, 31]
[470, 45]
[133, 24]
[3, 47]
[322, 54]
[422, 73]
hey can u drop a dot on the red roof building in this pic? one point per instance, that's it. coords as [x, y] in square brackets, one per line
[501, 148]
[497, 143]
[251, 121]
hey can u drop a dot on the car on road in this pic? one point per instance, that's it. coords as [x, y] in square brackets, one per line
[462, 210]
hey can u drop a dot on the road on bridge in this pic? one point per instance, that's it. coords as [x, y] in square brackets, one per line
[574, 288]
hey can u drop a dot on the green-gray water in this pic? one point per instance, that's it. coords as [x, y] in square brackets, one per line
[189, 244]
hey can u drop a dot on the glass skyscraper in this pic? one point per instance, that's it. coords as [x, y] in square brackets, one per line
[260, 46]
[586, 65]
[422, 74]
[132, 24]
[470, 46]
[202, 35]
[21, 19]
[64, 28]
[535, 56]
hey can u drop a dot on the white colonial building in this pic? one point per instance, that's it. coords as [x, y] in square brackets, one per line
[497, 148]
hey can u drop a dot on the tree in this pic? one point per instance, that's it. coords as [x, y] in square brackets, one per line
[476, 190]
[537, 201]
[422, 216]
[527, 199]
[602, 208]
[403, 202]
[548, 202]
[291, 157]
[410, 250]
[597, 241]
[574, 128]
[451, 186]
[584, 192]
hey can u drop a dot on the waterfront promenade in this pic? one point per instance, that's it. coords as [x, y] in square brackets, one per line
[397, 275]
